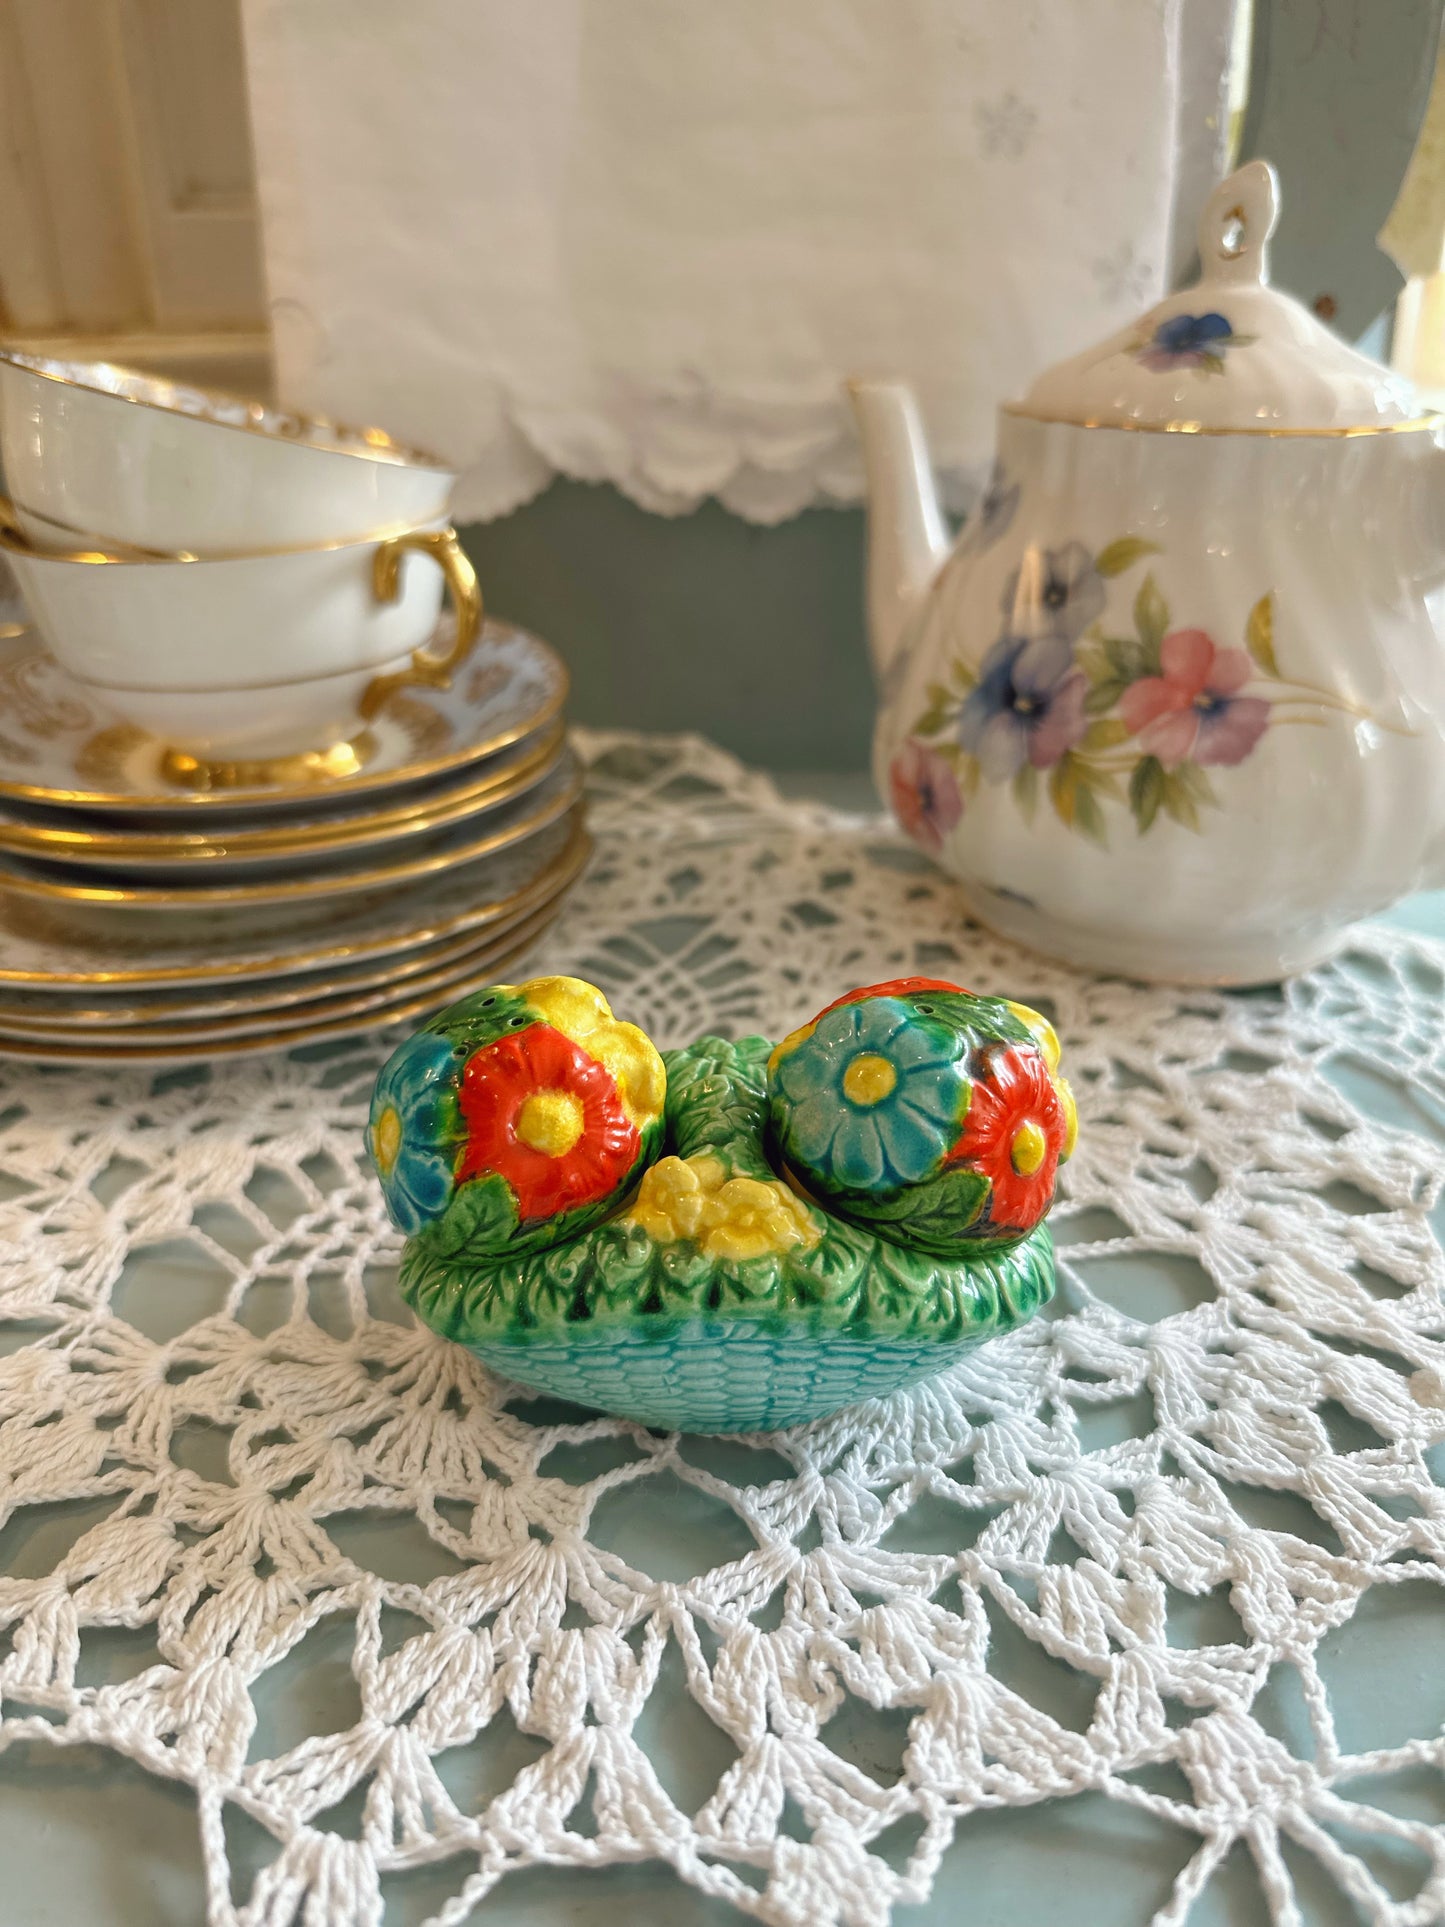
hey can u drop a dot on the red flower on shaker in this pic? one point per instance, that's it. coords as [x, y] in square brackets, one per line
[1015, 1133]
[547, 1117]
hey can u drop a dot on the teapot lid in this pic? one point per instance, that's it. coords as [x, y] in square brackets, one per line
[1231, 354]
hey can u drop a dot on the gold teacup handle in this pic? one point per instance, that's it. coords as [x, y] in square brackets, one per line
[427, 670]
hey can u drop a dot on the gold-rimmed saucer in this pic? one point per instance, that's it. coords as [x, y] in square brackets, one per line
[470, 965]
[59, 751]
[90, 948]
[282, 1037]
[306, 880]
[64, 1009]
[163, 854]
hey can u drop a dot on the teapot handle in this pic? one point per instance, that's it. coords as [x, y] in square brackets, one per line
[1234, 229]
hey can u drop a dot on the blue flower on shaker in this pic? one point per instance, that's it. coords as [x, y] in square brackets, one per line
[1053, 592]
[873, 1098]
[415, 1129]
[1027, 707]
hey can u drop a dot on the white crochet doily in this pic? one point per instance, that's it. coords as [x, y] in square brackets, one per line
[1249, 1294]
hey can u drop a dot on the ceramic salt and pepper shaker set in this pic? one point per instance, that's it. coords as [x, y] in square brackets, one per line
[733, 1236]
[1172, 705]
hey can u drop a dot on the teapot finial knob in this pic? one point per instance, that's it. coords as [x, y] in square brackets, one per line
[1238, 219]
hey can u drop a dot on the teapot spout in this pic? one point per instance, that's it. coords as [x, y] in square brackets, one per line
[906, 537]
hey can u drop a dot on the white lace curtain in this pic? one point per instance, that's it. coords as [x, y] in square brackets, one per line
[644, 241]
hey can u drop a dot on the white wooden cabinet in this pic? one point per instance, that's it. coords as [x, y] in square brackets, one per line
[128, 221]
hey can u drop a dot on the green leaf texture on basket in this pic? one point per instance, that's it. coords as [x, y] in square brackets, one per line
[732, 1236]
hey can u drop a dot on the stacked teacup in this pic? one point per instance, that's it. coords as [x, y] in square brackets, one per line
[242, 583]
[257, 786]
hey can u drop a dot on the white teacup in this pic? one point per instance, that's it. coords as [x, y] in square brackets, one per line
[99, 453]
[251, 658]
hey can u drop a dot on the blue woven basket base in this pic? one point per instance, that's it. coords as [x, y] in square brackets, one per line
[720, 1375]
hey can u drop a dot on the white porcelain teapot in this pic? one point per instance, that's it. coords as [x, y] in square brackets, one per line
[1174, 704]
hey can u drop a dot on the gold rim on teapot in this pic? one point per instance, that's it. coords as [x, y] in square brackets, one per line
[1334, 431]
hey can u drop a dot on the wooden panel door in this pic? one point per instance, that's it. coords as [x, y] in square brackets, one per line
[128, 220]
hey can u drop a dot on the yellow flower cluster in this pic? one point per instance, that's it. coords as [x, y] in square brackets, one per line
[728, 1217]
[1047, 1039]
[582, 1013]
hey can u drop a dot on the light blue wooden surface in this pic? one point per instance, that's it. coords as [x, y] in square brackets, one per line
[87, 1840]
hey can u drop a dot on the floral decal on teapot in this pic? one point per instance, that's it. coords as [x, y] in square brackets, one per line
[987, 522]
[1094, 712]
[1189, 341]
[925, 795]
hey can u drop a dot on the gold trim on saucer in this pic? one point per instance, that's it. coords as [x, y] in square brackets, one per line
[381, 1018]
[430, 812]
[560, 873]
[215, 406]
[310, 766]
[327, 1001]
[101, 754]
[1348, 432]
[340, 883]
[59, 1010]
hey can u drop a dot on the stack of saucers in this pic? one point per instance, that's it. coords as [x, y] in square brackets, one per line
[142, 920]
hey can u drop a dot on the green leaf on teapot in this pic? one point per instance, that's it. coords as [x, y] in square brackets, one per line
[1064, 788]
[1259, 635]
[1089, 818]
[1071, 791]
[1115, 557]
[1196, 782]
[1178, 802]
[941, 707]
[1090, 656]
[1151, 619]
[1106, 733]
[1127, 659]
[1104, 695]
[1146, 791]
